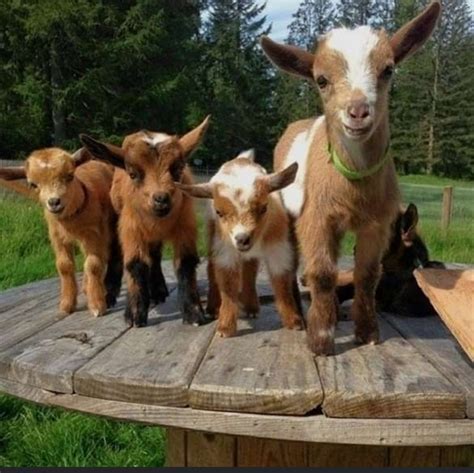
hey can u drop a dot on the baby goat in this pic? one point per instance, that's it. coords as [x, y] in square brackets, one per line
[153, 210]
[346, 180]
[398, 291]
[247, 224]
[75, 195]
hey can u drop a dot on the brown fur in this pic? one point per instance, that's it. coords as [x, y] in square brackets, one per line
[146, 172]
[232, 275]
[334, 204]
[87, 218]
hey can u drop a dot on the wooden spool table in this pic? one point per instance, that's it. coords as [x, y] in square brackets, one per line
[258, 399]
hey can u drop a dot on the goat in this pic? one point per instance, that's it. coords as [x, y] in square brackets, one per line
[153, 210]
[398, 291]
[74, 192]
[346, 180]
[247, 224]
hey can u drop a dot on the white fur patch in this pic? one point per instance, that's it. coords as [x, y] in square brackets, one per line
[278, 258]
[355, 45]
[293, 195]
[46, 164]
[224, 253]
[156, 138]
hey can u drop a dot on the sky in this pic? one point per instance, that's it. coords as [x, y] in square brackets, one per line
[279, 12]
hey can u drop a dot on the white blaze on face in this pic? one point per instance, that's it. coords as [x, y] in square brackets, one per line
[356, 45]
[293, 195]
[155, 138]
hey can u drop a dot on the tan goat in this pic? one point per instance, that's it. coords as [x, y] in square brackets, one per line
[346, 180]
[153, 210]
[247, 224]
[75, 195]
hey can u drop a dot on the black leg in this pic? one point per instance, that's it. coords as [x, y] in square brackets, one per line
[188, 295]
[158, 289]
[138, 297]
[113, 276]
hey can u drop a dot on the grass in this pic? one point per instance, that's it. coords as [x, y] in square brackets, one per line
[40, 436]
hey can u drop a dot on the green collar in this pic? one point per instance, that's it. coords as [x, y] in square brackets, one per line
[355, 175]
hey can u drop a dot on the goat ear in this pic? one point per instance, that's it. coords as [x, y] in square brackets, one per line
[410, 37]
[13, 173]
[103, 151]
[190, 141]
[81, 156]
[248, 154]
[200, 191]
[410, 218]
[290, 59]
[281, 179]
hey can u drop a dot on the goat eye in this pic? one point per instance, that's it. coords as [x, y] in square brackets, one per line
[387, 72]
[219, 213]
[33, 185]
[134, 175]
[322, 82]
[263, 210]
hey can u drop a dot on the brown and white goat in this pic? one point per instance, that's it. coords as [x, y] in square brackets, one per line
[74, 192]
[345, 181]
[153, 210]
[247, 224]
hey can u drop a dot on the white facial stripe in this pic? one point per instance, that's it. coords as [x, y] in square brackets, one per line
[293, 195]
[238, 229]
[355, 45]
[237, 182]
[156, 138]
[278, 258]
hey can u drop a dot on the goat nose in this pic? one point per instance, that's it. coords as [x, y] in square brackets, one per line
[54, 202]
[358, 110]
[242, 239]
[162, 198]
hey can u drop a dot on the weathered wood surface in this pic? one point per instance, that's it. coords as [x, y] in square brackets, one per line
[387, 380]
[264, 369]
[154, 364]
[452, 294]
[433, 340]
[317, 428]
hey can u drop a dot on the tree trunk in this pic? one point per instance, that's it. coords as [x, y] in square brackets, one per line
[434, 97]
[57, 107]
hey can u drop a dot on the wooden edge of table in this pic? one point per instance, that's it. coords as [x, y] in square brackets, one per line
[315, 429]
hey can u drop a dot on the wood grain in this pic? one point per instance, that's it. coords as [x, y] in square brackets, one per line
[433, 340]
[389, 380]
[49, 358]
[452, 294]
[210, 450]
[457, 456]
[314, 428]
[175, 447]
[264, 369]
[153, 364]
[253, 452]
[324, 455]
[414, 456]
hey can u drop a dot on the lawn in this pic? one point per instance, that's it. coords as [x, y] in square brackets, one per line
[38, 436]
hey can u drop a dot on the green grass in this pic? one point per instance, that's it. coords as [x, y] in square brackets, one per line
[39, 436]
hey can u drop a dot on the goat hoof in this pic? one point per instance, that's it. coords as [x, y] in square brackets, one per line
[194, 315]
[159, 295]
[226, 332]
[251, 315]
[67, 307]
[295, 322]
[110, 300]
[367, 337]
[322, 346]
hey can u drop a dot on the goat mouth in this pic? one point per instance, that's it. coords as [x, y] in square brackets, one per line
[357, 131]
[163, 212]
[56, 210]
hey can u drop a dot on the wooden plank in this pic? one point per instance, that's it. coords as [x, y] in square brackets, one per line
[313, 428]
[30, 305]
[153, 364]
[210, 450]
[28, 321]
[457, 456]
[389, 380]
[49, 358]
[333, 455]
[452, 294]
[28, 290]
[264, 369]
[254, 452]
[433, 340]
[414, 456]
[175, 447]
